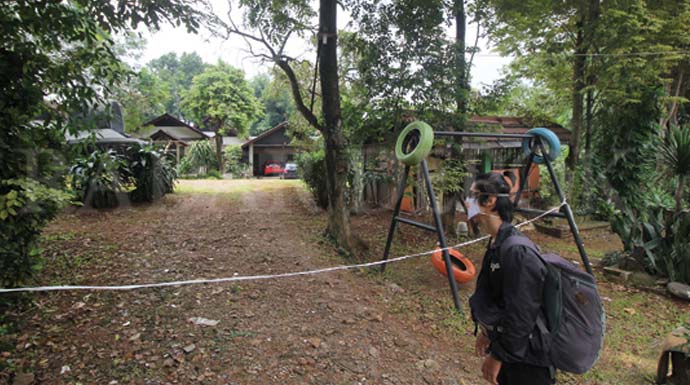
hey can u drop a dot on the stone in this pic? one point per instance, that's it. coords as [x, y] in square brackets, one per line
[642, 278]
[679, 290]
[618, 274]
[314, 342]
[189, 348]
[395, 288]
[428, 364]
[23, 379]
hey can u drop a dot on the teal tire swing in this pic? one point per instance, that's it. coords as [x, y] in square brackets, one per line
[548, 138]
[540, 146]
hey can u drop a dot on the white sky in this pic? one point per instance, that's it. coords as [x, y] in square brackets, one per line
[486, 66]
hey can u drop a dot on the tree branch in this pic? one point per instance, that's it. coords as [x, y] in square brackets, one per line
[296, 94]
[474, 50]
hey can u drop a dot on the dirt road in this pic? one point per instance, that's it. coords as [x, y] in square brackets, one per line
[335, 328]
[352, 327]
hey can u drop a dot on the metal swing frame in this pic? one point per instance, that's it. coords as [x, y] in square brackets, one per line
[564, 212]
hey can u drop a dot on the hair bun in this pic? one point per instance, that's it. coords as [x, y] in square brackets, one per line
[510, 175]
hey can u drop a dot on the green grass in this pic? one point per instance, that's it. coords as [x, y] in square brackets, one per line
[559, 248]
[235, 188]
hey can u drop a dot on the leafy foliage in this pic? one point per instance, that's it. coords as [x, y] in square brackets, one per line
[313, 168]
[628, 147]
[233, 161]
[199, 157]
[56, 58]
[142, 96]
[450, 177]
[651, 232]
[175, 75]
[399, 68]
[274, 95]
[152, 173]
[547, 191]
[222, 99]
[676, 262]
[25, 207]
[98, 177]
[675, 154]
[642, 234]
[184, 167]
[657, 239]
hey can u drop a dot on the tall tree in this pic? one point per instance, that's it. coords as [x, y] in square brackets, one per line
[177, 74]
[275, 96]
[221, 99]
[402, 69]
[518, 29]
[452, 196]
[267, 30]
[337, 163]
[142, 96]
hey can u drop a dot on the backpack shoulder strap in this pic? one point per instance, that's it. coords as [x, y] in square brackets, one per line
[520, 240]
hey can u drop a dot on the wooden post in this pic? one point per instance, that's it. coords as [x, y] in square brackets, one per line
[251, 159]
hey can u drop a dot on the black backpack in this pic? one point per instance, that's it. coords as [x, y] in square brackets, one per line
[574, 318]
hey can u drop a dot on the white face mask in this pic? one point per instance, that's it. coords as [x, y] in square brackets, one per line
[472, 208]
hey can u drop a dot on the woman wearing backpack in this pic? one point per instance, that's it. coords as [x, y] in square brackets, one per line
[508, 296]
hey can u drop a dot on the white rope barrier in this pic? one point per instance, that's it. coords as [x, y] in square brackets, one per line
[265, 276]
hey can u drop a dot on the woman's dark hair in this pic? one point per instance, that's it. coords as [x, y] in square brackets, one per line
[495, 183]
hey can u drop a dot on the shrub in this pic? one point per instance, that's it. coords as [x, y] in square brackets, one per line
[675, 154]
[201, 155]
[152, 173]
[547, 191]
[213, 174]
[233, 161]
[676, 261]
[657, 239]
[184, 167]
[313, 166]
[98, 177]
[24, 210]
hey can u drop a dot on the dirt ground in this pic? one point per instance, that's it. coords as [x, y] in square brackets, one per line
[352, 327]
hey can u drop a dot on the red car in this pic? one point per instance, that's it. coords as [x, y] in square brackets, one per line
[271, 167]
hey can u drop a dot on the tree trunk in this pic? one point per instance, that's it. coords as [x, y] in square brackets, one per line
[588, 123]
[578, 86]
[451, 198]
[219, 152]
[337, 162]
[587, 26]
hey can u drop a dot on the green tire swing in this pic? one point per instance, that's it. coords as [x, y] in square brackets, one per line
[551, 144]
[414, 143]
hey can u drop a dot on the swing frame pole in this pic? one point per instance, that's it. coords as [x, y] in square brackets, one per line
[567, 209]
[437, 228]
